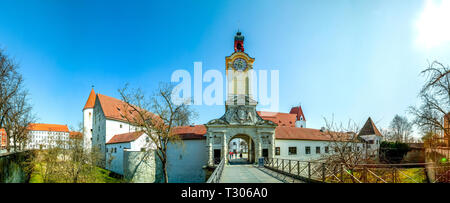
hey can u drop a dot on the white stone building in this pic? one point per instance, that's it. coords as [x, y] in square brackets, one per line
[121, 145]
[372, 136]
[45, 136]
[118, 144]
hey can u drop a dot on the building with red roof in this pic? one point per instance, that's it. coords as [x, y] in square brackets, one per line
[3, 138]
[45, 136]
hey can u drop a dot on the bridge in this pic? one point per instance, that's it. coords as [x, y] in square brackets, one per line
[239, 171]
[276, 170]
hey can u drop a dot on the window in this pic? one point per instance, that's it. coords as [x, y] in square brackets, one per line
[292, 150]
[357, 148]
[277, 150]
[370, 141]
[327, 150]
[307, 150]
[317, 150]
[120, 125]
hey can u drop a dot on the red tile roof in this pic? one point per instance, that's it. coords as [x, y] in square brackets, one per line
[281, 119]
[125, 137]
[298, 112]
[293, 133]
[91, 100]
[190, 132]
[369, 128]
[47, 127]
[117, 109]
[75, 135]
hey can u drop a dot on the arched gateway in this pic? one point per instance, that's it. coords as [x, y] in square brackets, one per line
[240, 118]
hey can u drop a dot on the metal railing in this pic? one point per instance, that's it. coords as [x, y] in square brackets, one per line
[316, 171]
[217, 173]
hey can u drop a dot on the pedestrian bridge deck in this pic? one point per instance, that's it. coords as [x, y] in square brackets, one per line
[239, 171]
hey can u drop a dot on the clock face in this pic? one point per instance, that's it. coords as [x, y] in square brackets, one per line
[240, 64]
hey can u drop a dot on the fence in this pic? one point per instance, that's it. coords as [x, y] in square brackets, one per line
[314, 171]
[217, 174]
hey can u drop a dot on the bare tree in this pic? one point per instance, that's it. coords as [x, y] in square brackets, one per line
[65, 160]
[435, 99]
[156, 116]
[347, 150]
[401, 128]
[17, 121]
[15, 111]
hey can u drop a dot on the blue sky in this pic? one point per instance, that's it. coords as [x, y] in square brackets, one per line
[350, 59]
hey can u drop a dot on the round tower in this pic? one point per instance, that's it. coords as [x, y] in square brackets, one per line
[88, 115]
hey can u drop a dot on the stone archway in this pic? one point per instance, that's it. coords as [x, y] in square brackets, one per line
[250, 153]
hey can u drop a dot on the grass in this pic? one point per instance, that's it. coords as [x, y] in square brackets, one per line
[105, 176]
[100, 175]
[407, 175]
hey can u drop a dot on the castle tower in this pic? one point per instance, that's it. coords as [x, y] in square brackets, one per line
[240, 121]
[88, 115]
[300, 121]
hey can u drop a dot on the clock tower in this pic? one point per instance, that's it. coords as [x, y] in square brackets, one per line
[240, 119]
[239, 67]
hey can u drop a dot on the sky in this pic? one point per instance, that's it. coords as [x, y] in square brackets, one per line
[344, 59]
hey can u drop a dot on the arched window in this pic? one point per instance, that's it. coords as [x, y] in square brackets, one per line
[235, 86]
[247, 86]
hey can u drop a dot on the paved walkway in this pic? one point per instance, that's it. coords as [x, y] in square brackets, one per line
[246, 173]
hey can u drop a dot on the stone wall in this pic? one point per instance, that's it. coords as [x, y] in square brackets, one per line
[414, 156]
[12, 167]
[142, 167]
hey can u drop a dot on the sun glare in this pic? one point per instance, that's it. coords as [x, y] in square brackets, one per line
[433, 24]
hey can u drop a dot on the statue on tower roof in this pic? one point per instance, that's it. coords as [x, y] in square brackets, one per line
[238, 42]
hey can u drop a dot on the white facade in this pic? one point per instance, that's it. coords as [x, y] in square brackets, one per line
[373, 144]
[235, 145]
[300, 123]
[115, 152]
[46, 139]
[312, 150]
[88, 116]
[114, 156]
[104, 129]
[185, 161]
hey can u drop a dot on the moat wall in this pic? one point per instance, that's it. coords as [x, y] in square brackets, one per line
[12, 167]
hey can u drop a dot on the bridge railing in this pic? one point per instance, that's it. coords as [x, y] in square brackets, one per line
[316, 171]
[217, 173]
